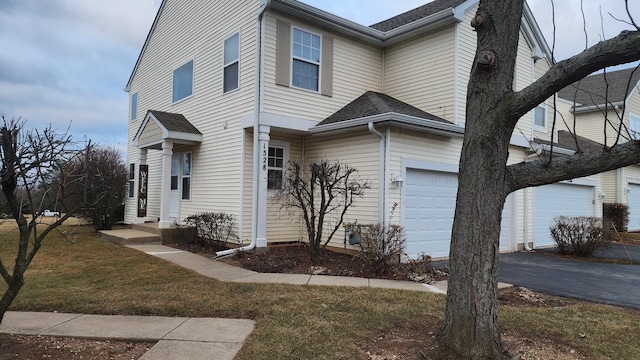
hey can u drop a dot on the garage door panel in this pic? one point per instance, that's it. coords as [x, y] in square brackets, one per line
[633, 200]
[428, 221]
[555, 200]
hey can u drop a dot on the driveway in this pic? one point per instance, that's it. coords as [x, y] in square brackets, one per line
[598, 282]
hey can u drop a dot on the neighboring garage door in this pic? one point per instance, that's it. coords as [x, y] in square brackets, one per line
[556, 200]
[430, 200]
[633, 200]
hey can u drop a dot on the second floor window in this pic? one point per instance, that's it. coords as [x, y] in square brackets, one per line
[183, 81]
[231, 63]
[134, 106]
[634, 126]
[306, 60]
[540, 116]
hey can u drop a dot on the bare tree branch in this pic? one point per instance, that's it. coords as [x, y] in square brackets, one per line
[621, 49]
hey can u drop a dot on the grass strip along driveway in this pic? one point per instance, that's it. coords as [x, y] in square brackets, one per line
[92, 276]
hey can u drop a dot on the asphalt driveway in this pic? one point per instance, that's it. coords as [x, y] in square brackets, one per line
[598, 282]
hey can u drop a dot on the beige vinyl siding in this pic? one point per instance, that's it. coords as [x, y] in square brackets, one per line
[357, 68]
[196, 30]
[420, 72]
[151, 132]
[282, 224]
[359, 149]
[524, 75]
[591, 125]
[466, 39]
[610, 186]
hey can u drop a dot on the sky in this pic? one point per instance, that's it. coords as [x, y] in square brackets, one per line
[65, 63]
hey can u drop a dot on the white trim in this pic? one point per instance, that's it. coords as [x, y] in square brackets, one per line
[193, 80]
[280, 121]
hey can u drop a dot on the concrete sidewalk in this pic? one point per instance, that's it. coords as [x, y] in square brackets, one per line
[224, 272]
[177, 337]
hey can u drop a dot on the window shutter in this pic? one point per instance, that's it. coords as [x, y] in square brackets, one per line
[283, 54]
[326, 72]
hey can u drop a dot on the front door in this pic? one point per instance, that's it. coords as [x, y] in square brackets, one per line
[174, 195]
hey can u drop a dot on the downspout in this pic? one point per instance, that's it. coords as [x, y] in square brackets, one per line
[537, 153]
[256, 125]
[387, 177]
[381, 174]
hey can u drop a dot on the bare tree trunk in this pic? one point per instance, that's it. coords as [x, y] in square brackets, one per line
[471, 319]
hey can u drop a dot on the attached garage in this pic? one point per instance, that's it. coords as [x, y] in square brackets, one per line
[633, 200]
[568, 199]
[429, 207]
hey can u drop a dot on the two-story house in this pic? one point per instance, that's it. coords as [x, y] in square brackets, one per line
[605, 108]
[224, 94]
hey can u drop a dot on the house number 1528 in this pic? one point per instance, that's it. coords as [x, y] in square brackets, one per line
[264, 156]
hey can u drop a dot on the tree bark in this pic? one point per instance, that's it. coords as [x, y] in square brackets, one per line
[471, 320]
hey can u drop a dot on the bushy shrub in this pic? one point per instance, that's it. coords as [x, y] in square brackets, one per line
[382, 246]
[213, 229]
[580, 235]
[617, 214]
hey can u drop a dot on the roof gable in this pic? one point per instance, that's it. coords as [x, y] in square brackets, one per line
[159, 126]
[372, 103]
[611, 87]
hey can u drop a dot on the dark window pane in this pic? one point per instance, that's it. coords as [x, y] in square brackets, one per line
[174, 182]
[186, 188]
[230, 77]
[274, 179]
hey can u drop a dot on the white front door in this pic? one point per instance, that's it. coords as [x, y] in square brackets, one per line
[174, 195]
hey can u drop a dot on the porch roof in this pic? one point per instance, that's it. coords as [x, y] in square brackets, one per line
[160, 126]
[373, 107]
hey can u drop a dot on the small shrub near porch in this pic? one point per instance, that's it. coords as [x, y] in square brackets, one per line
[579, 236]
[213, 229]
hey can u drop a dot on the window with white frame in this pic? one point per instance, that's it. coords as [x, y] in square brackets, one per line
[276, 161]
[306, 60]
[634, 126]
[231, 72]
[540, 117]
[134, 106]
[132, 176]
[183, 81]
[186, 176]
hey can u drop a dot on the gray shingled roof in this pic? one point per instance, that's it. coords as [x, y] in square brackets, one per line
[592, 90]
[373, 103]
[416, 14]
[566, 140]
[175, 122]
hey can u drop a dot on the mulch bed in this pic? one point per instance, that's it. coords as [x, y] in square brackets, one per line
[294, 259]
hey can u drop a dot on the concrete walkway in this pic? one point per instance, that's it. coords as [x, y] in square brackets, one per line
[178, 338]
[185, 338]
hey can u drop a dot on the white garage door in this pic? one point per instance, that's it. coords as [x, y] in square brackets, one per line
[555, 200]
[633, 200]
[430, 200]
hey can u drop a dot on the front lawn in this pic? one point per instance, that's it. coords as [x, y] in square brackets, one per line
[93, 276]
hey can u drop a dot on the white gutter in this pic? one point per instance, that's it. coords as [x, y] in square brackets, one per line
[256, 125]
[381, 174]
[432, 126]
[583, 109]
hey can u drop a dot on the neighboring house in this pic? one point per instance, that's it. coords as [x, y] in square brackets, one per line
[224, 94]
[602, 106]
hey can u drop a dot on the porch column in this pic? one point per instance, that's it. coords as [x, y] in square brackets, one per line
[263, 143]
[142, 160]
[165, 186]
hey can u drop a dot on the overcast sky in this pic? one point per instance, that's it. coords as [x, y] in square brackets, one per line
[67, 61]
